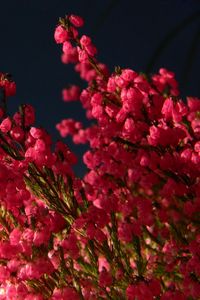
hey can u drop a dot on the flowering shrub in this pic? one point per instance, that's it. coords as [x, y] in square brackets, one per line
[130, 228]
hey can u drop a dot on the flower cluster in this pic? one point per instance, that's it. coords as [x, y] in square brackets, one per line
[7, 85]
[130, 228]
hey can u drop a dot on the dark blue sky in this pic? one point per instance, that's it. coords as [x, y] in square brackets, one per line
[126, 33]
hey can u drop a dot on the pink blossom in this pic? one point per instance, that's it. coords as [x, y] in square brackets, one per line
[60, 34]
[76, 20]
[6, 125]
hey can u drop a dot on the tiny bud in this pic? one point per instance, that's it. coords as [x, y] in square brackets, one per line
[76, 20]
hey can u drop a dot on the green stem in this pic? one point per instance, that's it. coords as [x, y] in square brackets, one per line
[117, 246]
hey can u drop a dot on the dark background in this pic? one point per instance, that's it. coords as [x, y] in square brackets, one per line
[143, 35]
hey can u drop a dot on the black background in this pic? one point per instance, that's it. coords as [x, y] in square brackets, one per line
[126, 32]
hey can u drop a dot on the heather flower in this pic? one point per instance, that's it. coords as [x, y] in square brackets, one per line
[60, 34]
[6, 125]
[71, 94]
[77, 21]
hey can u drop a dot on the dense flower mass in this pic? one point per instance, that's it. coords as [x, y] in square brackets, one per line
[130, 228]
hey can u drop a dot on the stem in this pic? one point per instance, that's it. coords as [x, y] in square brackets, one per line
[117, 247]
[192, 53]
[167, 39]
[152, 236]
[95, 66]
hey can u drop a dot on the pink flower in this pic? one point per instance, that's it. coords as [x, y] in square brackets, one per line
[6, 125]
[105, 278]
[167, 108]
[67, 47]
[15, 236]
[82, 55]
[128, 75]
[17, 133]
[71, 94]
[103, 264]
[65, 293]
[4, 274]
[77, 21]
[61, 34]
[85, 40]
[8, 85]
